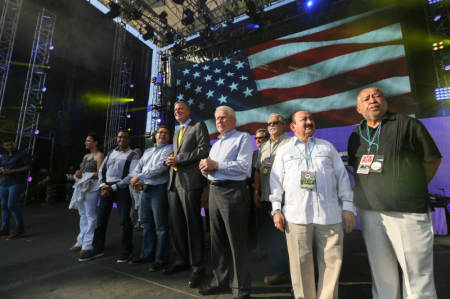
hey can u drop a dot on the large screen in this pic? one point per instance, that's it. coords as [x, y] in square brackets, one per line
[321, 70]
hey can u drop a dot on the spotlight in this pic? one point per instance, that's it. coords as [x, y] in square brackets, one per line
[128, 115]
[114, 11]
[309, 3]
[158, 120]
[447, 68]
[51, 47]
[44, 89]
[36, 132]
[159, 92]
[433, 1]
[129, 129]
[442, 93]
[29, 179]
[189, 19]
[437, 18]
[131, 85]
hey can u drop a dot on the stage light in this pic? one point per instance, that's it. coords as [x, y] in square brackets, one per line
[159, 92]
[44, 89]
[36, 132]
[51, 47]
[189, 19]
[447, 67]
[114, 11]
[29, 179]
[448, 208]
[129, 129]
[433, 1]
[131, 85]
[442, 93]
[254, 26]
[437, 18]
[309, 3]
[158, 120]
[128, 115]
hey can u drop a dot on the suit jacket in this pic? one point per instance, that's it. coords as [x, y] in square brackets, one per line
[194, 146]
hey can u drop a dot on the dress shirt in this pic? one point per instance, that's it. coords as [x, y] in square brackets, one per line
[186, 123]
[265, 159]
[233, 152]
[114, 169]
[151, 168]
[333, 190]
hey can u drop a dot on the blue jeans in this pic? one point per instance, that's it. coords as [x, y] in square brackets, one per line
[154, 221]
[10, 197]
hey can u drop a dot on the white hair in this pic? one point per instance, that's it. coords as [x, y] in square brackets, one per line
[279, 116]
[228, 109]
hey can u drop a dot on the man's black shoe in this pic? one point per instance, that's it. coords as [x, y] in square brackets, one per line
[90, 255]
[214, 291]
[172, 269]
[196, 279]
[140, 260]
[156, 266]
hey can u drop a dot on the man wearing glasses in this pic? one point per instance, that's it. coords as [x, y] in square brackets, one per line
[274, 239]
[114, 179]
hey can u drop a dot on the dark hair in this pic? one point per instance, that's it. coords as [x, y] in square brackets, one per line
[165, 127]
[262, 130]
[124, 131]
[94, 136]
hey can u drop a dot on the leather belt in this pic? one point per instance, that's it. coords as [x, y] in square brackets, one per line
[225, 183]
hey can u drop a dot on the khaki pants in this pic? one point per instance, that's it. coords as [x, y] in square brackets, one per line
[329, 247]
[394, 238]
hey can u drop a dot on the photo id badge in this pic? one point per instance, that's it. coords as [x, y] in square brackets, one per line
[364, 164]
[308, 180]
[377, 164]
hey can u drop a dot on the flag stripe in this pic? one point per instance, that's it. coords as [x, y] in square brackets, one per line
[332, 85]
[392, 87]
[331, 67]
[352, 28]
[385, 34]
[302, 59]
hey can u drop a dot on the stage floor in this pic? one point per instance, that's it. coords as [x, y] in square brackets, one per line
[40, 265]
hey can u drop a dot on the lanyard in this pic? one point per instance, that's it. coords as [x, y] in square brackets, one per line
[306, 156]
[375, 136]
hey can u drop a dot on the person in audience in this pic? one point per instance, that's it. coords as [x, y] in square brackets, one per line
[14, 166]
[87, 193]
[394, 158]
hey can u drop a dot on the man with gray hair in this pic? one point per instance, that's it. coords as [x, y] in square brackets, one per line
[227, 169]
[274, 240]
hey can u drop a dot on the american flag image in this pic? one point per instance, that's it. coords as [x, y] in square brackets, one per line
[320, 70]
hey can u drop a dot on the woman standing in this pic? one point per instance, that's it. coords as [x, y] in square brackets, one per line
[152, 174]
[14, 166]
[86, 193]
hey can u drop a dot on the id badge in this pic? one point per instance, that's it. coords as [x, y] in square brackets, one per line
[365, 163]
[266, 170]
[377, 164]
[308, 180]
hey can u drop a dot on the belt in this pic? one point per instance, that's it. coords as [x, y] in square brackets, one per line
[111, 183]
[226, 183]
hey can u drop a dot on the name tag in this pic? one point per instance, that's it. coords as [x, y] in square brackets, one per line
[364, 164]
[377, 164]
[308, 180]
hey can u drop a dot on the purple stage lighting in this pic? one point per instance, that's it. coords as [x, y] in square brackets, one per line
[159, 92]
[44, 89]
[36, 132]
[158, 120]
[448, 208]
[309, 3]
[131, 85]
[447, 67]
[29, 179]
[128, 115]
[51, 48]
[437, 18]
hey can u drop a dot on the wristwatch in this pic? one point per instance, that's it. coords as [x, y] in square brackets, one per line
[275, 212]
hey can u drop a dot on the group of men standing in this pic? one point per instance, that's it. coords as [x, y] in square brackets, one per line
[306, 197]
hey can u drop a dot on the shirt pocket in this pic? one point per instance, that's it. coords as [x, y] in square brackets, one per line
[322, 160]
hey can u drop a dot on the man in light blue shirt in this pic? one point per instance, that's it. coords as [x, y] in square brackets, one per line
[227, 169]
[152, 174]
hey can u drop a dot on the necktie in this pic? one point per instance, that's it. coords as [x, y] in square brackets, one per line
[180, 135]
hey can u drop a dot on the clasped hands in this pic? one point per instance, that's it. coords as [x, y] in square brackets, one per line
[136, 183]
[207, 165]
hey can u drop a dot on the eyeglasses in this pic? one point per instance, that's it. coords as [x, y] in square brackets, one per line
[260, 138]
[273, 123]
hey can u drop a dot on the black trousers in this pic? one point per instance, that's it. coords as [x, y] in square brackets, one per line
[123, 200]
[229, 208]
[185, 226]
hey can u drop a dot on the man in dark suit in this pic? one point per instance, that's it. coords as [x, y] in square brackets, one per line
[186, 183]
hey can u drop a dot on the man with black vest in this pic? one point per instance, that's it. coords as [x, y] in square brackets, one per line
[114, 179]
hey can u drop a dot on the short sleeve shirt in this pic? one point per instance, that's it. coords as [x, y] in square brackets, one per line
[405, 145]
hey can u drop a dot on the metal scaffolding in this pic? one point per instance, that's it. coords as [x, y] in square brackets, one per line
[121, 68]
[10, 13]
[32, 105]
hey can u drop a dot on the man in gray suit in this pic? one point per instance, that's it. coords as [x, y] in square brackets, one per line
[186, 183]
